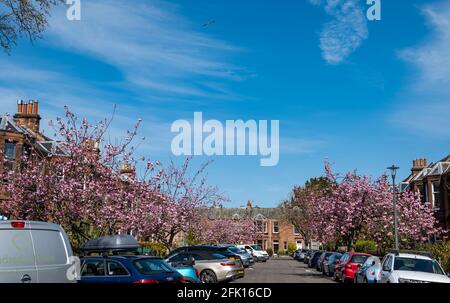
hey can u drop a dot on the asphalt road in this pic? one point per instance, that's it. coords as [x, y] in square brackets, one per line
[283, 270]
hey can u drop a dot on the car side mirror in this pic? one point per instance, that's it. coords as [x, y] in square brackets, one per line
[373, 263]
[359, 265]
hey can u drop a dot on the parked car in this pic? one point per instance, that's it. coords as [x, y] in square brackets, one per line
[324, 256]
[347, 266]
[314, 258]
[330, 264]
[211, 266]
[210, 248]
[34, 252]
[302, 253]
[246, 258]
[369, 272]
[412, 267]
[308, 256]
[114, 259]
[256, 251]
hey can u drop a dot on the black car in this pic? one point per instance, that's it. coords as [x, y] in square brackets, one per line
[314, 258]
[308, 256]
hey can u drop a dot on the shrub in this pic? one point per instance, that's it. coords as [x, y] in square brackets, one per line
[270, 252]
[153, 248]
[292, 247]
[440, 251]
[365, 246]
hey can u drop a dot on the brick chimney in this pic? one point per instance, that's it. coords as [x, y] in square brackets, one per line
[418, 166]
[28, 115]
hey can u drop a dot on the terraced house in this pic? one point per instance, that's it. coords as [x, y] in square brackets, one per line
[18, 134]
[272, 229]
[432, 182]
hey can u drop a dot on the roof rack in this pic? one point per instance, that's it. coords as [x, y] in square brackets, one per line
[413, 252]
[111, 244]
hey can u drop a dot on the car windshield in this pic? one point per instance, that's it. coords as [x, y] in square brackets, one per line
[256, 247]
[234, 249]
[422, 265]
[359, 259]
[149, 267]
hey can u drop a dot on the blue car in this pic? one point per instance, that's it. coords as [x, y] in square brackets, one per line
[128, 269]
[188, 271]
[115, 259]
[369, 272]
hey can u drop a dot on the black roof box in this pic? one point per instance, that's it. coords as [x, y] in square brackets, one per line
[111, 243]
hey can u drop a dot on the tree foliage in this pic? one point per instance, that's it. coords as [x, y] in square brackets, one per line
[27, 18]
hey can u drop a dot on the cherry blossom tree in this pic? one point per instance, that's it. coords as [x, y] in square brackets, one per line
[227, 231]
[79, 184]
[184, 193]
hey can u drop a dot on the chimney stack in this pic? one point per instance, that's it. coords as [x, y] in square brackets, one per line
[419, 165]
[28, 115]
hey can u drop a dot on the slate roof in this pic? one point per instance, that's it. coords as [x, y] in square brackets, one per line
[47, 147]
[254, 213]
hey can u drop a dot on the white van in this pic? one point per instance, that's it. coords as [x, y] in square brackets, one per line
[34, 252]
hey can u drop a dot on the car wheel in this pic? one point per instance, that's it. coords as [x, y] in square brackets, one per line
[208, 276]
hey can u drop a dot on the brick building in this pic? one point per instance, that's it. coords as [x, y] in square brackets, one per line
[432, 182]
[272, 229]
[22, 132]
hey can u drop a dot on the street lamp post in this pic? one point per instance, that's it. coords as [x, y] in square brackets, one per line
[393, 170]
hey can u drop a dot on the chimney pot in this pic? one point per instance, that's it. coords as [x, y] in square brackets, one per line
[30, 107]
[36, 107]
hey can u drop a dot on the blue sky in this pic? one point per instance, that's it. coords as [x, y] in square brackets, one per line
[363, 95]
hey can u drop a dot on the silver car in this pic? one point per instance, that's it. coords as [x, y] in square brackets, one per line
[212, 267]
[35, 252]
[246, 258]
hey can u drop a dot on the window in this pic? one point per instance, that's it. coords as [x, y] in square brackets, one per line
[296, 230]
[259, 226]
[183, 257]
[49, 247]
[436, 195]
[10, 155]
[285, 245]
[116, 269]
[387, 265]
[93, 268]
[10, 151]
[276, 228]
[149, 267]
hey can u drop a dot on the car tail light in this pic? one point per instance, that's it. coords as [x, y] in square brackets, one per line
[228, 264]
[181, 280]
[146, 282]
[197, 273]
[18, 224]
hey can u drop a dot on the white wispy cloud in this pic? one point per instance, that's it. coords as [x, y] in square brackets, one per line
[345, 33]
[425, 103]
[153, 45]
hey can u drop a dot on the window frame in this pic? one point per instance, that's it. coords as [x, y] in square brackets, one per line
[277, 224]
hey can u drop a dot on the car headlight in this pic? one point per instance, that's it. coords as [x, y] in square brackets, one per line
[401, 280]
